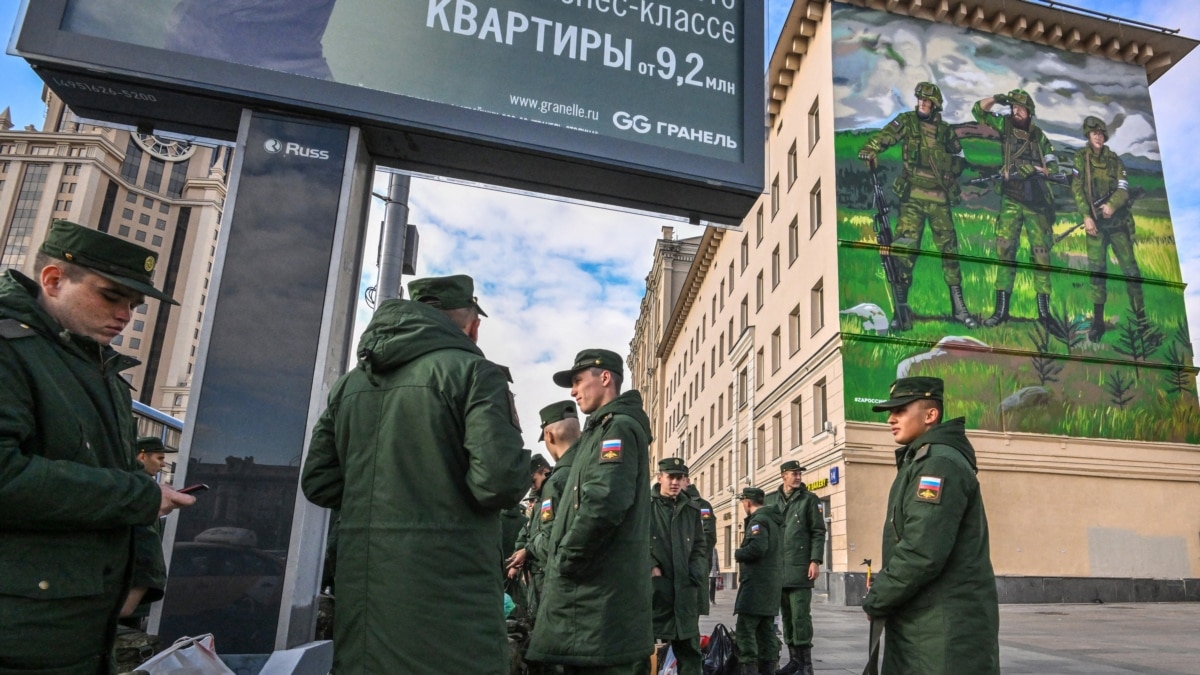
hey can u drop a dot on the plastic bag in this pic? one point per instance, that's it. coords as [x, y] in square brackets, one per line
[721, 657]
[670, 666]
[188, 656]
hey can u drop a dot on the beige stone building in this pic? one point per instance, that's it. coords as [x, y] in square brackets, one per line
[164, 194]
[742, 365]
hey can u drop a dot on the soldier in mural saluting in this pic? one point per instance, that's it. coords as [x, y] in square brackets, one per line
[1025, 199]
[927, 188]
[1103, 197]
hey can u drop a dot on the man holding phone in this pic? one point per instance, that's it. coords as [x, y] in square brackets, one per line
[75, 503]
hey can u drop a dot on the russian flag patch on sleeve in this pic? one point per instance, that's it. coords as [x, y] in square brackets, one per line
[929, 489]
[610, 450]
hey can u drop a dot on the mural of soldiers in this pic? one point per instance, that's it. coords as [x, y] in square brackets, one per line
[927, 188]
[1102, 196]
[1025, 199]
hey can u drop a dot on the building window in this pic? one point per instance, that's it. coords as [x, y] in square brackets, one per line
[745, 463]
[729, 401]
[19, 241]
[154, 174]
[720, 410]
[131, 197]
[814, 124]
[721, 349]
[797, 412]
[132, 161]
[116, 342]
[141, 309]
[759, 368]
[138, 324]
[732, 339]
[139, 235]
[135, 343]
[722, 297]
[814, 208]
[792, 165]
[745, 313]
[746, 250]
[760, 446]
[144, 219]
[775, 268]
[123, 230]
[794, 330]
[758, 291]
[820, 413]
[743, 386]
[758, 222]
[712, 362]
[777, 436]
[817, 301]
[712, 419]
[127, 214]
[731, 274]
[178, 178]
[776, 350]
[156, 240]
[793, 240]
[160, 224]
[774, 201]
[164, 208]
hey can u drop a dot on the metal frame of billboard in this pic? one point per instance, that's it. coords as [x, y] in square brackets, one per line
[157, 89]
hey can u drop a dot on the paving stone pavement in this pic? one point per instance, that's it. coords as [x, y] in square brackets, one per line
[1102, 639]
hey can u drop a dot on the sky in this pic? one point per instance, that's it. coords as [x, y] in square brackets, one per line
[557, 277]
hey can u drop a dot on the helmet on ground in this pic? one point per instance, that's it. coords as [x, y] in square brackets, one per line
[930, 91]
[1022, 98]
[1091, 124]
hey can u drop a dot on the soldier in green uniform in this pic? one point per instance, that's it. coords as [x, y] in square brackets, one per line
[519, 582]
[803, 552]
[760, 581]
[595, 616]
[77, 507]
[1025, 199]
[710, 539]
[927, 188]
[420, 449]
[936, 590]
[1100, 177]
[680, 569]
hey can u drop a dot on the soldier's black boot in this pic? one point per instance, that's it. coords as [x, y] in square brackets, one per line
[1001, 314]
[1044, 318]
[902, 321]
[806, 666]
[793, 665]
[958, 308]
[767, 667]
[1097, 330]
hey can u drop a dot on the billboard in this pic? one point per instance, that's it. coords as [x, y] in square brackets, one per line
[518, 91]
[1003, 224]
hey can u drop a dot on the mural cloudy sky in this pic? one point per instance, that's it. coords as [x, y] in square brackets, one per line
[558, 277]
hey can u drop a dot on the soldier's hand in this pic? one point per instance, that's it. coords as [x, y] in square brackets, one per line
[814, 570]
[172, 499]
[1089, 226]
[132, 600]
[1106, 210]
[656, 571]
[517, 559]
[1002, 99]
[867, 156]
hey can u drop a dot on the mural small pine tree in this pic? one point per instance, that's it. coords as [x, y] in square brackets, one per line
[1139, 340]
[1120, 389]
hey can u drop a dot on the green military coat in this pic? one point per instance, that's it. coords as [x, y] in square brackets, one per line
[932, 156]
[541, 521]
[1108, 184]
[708, 519]
[595, 607]
[760, 564]
[678, 548]
[420, 450]
[1023, 152]
[512, 522]
[803, 534]
[936, 588]
[77, 506]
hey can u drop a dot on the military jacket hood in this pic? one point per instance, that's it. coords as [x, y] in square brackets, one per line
[18, 300]
[402, 331]
[629, 403]
[952, 433]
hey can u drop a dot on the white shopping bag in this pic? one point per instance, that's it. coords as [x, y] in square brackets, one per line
[670, 666]
[188, 656]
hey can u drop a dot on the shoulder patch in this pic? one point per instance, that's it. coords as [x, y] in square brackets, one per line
[929, 489]
[547, 510]
[705, 513]
[610, 451]
[11, 329]
[896, 123]
[755, 529]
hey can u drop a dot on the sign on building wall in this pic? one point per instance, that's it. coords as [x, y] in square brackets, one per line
[673, 89]
[983, 241]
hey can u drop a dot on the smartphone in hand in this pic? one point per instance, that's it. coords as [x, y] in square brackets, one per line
[193, 489]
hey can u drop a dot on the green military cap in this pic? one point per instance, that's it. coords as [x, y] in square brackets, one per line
[908, 389]
[152, 444]
[115, 259]
[930, 91]
[452, 292]
[590, 358]
[556, 412]
[1091, 124]
[754, 494]
[791, 465]
[537, 463]
[672, 465]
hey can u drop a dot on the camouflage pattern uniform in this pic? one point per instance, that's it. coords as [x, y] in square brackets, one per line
[1026, 202]
[927, 188]
[1100, 175]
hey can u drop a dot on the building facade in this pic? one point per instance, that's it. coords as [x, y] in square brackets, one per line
[781, 337]
[166, 195]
